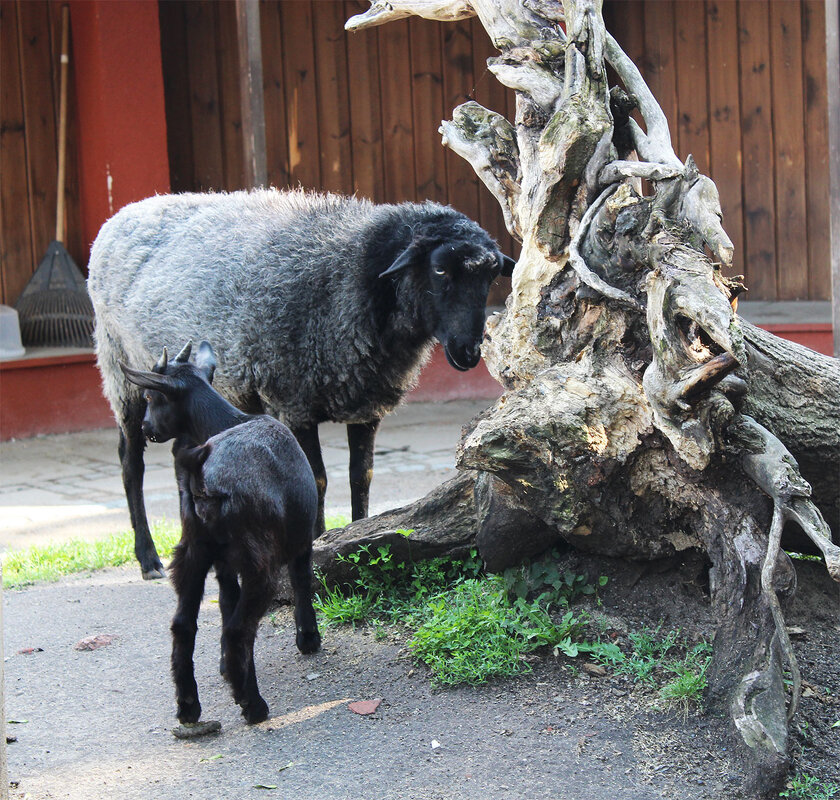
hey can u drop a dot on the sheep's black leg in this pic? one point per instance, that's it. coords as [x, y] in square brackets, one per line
[132, 444]
[307, 638]
[239, 635]
[307, 437]
[190, 565]
[228, 598]
[360, 438]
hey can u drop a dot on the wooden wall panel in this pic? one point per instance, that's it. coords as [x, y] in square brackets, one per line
[297, 52]
[36, 55]
[428, 109]
[333, 98]
[741, 81]
[458, 84]
[230, 105]
[789, 141]
[397, 112]
[365, 108]
[274, 95]
[758, 149]
[692, 83]
[725, 119]
[816, 148]
[175, 61]
[29, 98]
[16, 252]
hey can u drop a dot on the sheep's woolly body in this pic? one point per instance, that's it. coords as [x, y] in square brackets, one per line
[284, 284]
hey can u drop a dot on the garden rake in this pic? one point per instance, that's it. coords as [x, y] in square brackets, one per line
[54, 307]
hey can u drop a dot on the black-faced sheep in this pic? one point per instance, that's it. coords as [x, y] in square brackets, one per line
[327, 308]
[248, 506]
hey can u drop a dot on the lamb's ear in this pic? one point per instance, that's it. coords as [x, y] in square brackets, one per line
[192, 458]
[205, 360]
[405, 259]
[508, 264]
[150, 380]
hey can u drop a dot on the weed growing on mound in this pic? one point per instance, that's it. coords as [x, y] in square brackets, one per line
[464, 625]
[655, 657]
[805, 787]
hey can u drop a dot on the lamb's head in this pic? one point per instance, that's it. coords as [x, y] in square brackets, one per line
[169, 388]
[453, 261]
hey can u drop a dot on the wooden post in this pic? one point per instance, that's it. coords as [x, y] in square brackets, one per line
[251, 92]
[832, 58]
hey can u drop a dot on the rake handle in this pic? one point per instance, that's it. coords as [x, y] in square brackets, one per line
[62, 123]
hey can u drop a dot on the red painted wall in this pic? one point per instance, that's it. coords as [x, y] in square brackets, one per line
[121, 112]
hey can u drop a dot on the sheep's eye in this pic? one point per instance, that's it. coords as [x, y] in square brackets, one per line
[440, 271]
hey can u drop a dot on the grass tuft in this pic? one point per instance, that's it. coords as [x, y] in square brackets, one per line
[47, 563]
[806, 787]
[466, 626]
[44, 563]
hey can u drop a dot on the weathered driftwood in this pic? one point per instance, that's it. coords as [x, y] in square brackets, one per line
[642, 417]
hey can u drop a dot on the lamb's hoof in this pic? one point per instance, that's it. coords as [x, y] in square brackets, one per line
[308, 642]
[255, 712]
[192, 730]
[189, 711]
[154, 574]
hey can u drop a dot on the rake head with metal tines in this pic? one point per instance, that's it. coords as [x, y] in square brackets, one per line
[54, 307]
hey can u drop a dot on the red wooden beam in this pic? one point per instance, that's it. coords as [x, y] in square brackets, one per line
[120, 106]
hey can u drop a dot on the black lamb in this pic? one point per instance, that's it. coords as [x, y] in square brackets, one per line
[327, 307]
[248, 506]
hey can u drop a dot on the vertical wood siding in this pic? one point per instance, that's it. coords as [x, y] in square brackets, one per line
[344, 112]
[743, 85]
[741, 81]
[30, 40]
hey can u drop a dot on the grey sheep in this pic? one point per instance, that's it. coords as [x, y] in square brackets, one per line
[322, 308]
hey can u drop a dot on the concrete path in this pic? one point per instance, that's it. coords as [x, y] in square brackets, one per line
[69, 486]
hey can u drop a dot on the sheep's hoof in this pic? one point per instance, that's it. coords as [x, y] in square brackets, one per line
[308, 642]
[192, 730]
[255, 712]
[155, 573]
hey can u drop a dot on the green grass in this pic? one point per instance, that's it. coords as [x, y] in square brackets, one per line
[466, 626]
[805, 787]
[50, 562]
[663, 659]
[44, 563]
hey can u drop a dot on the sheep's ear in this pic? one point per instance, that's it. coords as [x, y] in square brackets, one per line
[508, 264]
[403, 260]
[149, 380]
[184, 356]
[205, 360]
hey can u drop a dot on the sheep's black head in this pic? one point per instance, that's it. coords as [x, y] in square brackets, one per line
[169, 388]
[457, 261]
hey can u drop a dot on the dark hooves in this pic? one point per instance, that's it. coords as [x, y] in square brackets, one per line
[193, 730]
[154, 574]
[308, 643]
[255, 712]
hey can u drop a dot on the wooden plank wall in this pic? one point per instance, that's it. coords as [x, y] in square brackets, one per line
[30, 40]
[743, 84]
[344, 112]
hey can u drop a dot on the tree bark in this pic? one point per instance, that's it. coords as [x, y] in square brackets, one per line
[642, 416]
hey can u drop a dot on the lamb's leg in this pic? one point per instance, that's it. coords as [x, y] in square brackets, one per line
[190, 565]
[307, 638]
[239, 635]
[307, 437]
[132, 444]
[228, 598]
[360, 438]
